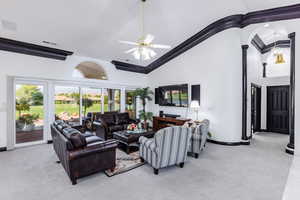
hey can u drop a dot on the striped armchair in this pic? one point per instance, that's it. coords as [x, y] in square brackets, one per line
[168, 147]
[199, 138]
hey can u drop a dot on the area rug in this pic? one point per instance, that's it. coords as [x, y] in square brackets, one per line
[125, 163]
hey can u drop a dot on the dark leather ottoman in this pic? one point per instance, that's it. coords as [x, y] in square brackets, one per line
[130, 139]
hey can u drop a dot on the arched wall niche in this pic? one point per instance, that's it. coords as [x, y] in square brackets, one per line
[90, 70]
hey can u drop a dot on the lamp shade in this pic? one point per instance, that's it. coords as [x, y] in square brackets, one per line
[194, 104]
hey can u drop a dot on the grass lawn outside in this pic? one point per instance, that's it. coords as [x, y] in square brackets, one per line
[60, 108]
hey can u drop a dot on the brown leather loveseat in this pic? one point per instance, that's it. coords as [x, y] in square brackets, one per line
[82, 154]
[107, 123]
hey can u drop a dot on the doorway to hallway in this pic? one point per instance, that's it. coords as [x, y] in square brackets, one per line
[255, 108]
[278, 109]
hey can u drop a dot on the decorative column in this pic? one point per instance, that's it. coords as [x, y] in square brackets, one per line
[291, 145]
[265, 70]
[245, 139]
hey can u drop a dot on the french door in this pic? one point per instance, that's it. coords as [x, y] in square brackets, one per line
[30, 113]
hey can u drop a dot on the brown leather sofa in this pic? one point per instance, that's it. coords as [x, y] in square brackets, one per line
[107, 123]
[82, 154]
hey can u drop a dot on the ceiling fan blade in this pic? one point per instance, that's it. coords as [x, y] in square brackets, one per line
[148, 39]
[128, 42]
[160, 46]
[131, 50]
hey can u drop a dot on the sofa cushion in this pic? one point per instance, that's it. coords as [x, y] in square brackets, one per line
[62, 126]
[116, 128]
[76, 138]
[57, 122]
[87, 134]
[122, 118]
[109, 119]
[93, 139]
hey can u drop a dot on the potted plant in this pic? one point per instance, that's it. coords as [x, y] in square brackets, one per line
[144, 94]
[22, 104]
[145, 118]
[28, 120]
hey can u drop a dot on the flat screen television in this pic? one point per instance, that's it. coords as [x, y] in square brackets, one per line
[173, 95]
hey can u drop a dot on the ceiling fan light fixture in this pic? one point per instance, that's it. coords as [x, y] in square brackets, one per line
[137, 55]
[143, 49]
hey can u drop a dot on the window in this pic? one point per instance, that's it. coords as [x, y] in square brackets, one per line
[112, 100]
[130, 105]
[91, 100]
[67, 104]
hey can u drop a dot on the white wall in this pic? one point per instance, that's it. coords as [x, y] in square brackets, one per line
[276, 70]
[215, 64]
[35, 67]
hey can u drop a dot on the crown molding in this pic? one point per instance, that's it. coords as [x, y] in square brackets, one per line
[233, 21]
[33, 49]
[263, 48]
[129, 67]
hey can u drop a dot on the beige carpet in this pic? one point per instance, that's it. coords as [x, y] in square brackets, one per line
[255, 172]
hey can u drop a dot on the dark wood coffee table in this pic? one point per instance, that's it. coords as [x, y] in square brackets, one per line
[131, 139]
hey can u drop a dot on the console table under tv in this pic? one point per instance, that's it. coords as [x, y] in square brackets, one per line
[163, 122]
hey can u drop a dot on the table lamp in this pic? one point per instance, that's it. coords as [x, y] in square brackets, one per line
[195, 106]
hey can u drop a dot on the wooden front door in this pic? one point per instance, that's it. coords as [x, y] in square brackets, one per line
[278, 109]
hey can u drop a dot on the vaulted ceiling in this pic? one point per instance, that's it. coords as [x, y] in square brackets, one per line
[93, 27]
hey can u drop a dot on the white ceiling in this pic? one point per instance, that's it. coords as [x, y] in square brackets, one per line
[274, 32]
[93, 27]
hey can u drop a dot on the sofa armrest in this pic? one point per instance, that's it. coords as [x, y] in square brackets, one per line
[101, 131]
[97, 147]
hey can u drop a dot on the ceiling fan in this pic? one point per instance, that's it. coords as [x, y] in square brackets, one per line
[143, 49]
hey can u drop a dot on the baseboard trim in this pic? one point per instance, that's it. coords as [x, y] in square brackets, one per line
[264, 130]
[225, 143]
[49, 141]
[289, 150]
[3, 149]
[245, 142]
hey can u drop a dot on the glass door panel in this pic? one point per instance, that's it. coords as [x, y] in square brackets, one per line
[130, 106]
[91, 100]
[67, 104]
[29, 113]
[112, 100]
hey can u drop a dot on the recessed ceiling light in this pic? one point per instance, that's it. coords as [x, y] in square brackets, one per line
[50, 43]
[266, 25]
